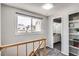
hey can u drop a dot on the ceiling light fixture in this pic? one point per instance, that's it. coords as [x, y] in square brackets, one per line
[47, 6]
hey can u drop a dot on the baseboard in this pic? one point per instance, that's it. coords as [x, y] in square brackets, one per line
[64, 53]
[46, 47]
[57, 42]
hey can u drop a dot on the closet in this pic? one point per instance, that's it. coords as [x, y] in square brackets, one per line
[74, 33]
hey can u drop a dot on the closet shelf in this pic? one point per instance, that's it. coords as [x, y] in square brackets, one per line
[73, 27]
[74, 40]
[74, 33]
[74, 21]
[74, 50]
[74, 47]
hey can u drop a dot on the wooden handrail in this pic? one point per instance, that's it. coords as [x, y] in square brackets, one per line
[19, 43]
[22, 43]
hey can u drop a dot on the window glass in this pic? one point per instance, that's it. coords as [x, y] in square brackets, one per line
[24, 23]
[36, 25]
[28, 24]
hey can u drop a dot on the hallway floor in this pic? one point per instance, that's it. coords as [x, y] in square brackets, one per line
[57, 45]
[53, 52]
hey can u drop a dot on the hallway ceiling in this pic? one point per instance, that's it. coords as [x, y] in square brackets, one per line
[36, 7]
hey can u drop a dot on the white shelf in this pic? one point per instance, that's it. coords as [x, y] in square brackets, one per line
[74, 50]
[74, 21]
[74, 47]
[73, 27]
[74, 40]
[74, 33]
[74, 53]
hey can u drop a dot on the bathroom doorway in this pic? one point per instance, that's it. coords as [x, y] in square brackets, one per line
[57, 33]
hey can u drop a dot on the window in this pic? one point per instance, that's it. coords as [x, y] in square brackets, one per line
[36, 25]
[28, 24]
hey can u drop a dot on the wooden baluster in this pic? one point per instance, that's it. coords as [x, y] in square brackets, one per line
[45, 47]
[39, 48]
[26, 49]
[17, 50]
[5, 51]
[33, 47]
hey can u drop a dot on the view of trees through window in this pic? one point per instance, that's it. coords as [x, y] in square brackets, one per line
[28, 24]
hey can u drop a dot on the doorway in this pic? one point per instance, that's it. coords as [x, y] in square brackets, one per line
[57, 33]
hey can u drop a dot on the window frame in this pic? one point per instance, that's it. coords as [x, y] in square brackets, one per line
[32, 17]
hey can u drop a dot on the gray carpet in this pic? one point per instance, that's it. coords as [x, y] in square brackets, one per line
[57, 45]
[54, 52]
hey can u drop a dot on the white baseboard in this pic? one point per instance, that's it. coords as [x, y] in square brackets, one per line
[64, 53]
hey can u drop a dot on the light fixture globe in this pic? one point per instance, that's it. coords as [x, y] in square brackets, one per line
[47, 6]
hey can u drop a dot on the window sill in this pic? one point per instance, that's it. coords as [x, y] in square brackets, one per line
[28, 33]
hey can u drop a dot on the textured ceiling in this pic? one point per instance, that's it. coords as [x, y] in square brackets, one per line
[36, 7]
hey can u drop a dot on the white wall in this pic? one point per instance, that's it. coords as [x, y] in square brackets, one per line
[65, 36]
[56, 27]
[65, 30]
[0, 26]
[8, 26]
[50, 33]
[64, 33]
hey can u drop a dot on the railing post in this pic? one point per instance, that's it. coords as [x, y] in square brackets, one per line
[45, 48]
[33, 46]
[5, 51]
[17, 50]
[0, 51]
[39, 48]
[26, 49]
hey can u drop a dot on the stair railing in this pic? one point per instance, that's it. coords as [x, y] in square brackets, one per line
[42, 40]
